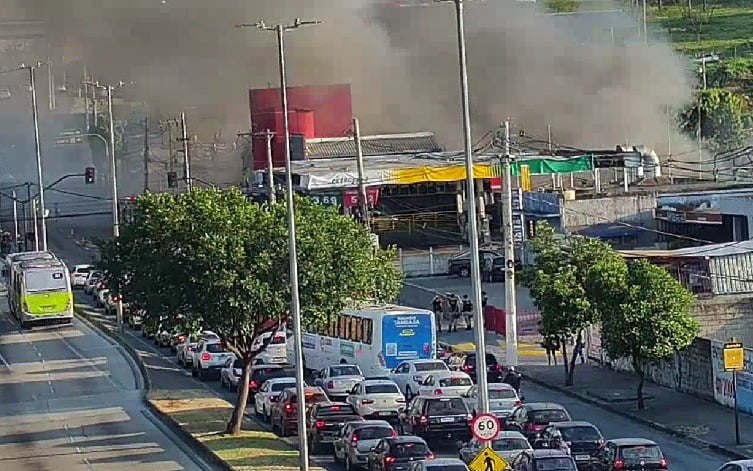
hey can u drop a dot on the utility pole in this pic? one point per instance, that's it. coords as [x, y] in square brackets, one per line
[15, 220]
[50, 85]
[186, 158]
[511, 326]
[268, 135]
[483, 396]
[645, 24]
[363, 199]
[94, 107]
[37, 147]
[295, 307]
[146, 154]
[86, 101]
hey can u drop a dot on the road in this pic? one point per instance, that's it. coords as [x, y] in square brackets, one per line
[71, 399]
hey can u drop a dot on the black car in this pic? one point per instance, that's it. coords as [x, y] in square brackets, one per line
[532, 418]
[325, 420]
[495, 373]
[429, 416]
[583, 438]
[261, 373]
[630, 454]
[460, 264]
[543, 459]
[397, 454]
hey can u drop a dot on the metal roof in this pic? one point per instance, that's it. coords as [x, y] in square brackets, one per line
[711, 250]
[385, 144]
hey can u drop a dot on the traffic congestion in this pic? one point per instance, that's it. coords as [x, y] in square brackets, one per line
[394, 412]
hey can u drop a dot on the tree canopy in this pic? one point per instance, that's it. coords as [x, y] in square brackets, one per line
[211, 259]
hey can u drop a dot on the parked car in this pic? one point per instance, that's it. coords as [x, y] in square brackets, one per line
[436, 416]
[91, 281]
[209, 358]
[495, 373]
[284, 416]
[531, 419]
[111, 305]
[100, 295]
[508, 445]
[460, 264]
[396, 454]
[357, 438]
[376, 399]
[439, 464]
[79, 275]
[325, 420]
[338, 380]
[445, 383]
[136, 320]
[409, 374]
[583, 438]
[502, 399]
[186, 345]
[231, 373]
[269, 393]
[737, 465]
[261, 373]
[631, 453]
[543, 459]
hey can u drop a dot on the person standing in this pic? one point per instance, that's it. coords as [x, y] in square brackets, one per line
[453, 302]
[467, 311]
[436, 306]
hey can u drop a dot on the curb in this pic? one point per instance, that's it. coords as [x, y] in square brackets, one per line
[189, 440]
[649, 423]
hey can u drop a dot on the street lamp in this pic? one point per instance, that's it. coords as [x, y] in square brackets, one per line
[483, 396]
[280, 30]
[113, 179]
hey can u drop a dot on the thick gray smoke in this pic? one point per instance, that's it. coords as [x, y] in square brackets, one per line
[401, 63]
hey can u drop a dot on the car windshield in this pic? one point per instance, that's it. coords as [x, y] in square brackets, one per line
[449, 406]
[502, 394]
[431, 366]
[455, 381]
[373, 433]
[408, 450]
[47, 280]
[549, 415]
[382, 389]
[338, 409]
[580, 434]
[282, 386]
[345, 370]
[507, 444]
[637, 453]
[554, 464]
[215, 348]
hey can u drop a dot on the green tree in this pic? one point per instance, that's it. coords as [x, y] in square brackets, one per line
[222, 263]
[558, 281]
[649, 320]
[725, 118]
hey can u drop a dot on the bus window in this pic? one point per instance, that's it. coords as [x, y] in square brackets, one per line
[367, 330]
[343, 327]
[357, 329]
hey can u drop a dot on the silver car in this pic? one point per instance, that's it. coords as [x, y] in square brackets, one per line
[338, 380]
[508, 445]
[502, 399]
[356, 439]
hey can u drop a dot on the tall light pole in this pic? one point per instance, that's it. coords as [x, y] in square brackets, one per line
[483, 396]
[295, 307]
[35, 117]
[113, 182]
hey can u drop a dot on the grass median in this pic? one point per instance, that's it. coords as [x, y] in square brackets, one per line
[204, 416]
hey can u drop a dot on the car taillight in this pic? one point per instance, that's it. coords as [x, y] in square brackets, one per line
[518, 402]
[394, 434]
[253, 384]
[367, 401]
[389, 459]
[437, 392]
[115, 299]
[430, 456]
[663, 463]
[467, 367]
[498, 367]
[205, 357]
[423, 419]
[289, 408]
[619, 464]
[535, 428]
[274, 398]
[330, 384]
[319, 424]
[181, 339]
[354, 440]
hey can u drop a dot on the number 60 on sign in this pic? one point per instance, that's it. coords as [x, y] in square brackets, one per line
[485, 427]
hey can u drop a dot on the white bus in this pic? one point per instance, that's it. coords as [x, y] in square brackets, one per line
[376, 338]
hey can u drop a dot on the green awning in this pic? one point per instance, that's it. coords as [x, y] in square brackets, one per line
[545, 166]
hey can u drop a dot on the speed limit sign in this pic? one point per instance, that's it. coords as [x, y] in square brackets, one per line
[485, 427]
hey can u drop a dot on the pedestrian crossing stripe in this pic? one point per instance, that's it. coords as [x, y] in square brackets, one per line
[488, 460]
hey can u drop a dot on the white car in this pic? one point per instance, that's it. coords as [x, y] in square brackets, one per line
[508, 445]
[502, 399]
[210, 356]
[92, 279]
[269, 393]
[79, 275]
[376, 399]
[135, 320]
[445, 383]
[100, 297]
[231, 373]
[338, 380]
[739, 465]
[411, 373]
[185, 348]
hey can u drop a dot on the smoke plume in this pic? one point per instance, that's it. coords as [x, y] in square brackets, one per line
[401, 62]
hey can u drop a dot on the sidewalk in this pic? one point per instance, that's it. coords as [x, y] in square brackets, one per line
[529, 350]
[703, 422]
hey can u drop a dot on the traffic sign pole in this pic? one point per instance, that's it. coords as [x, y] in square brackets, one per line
[734, 361]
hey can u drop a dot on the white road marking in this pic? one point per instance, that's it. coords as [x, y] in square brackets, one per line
[5, 363]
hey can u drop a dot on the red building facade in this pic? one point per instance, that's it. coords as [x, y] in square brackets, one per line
[314, 112]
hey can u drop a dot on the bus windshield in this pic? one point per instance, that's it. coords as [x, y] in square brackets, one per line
[47, 280]
[407, 337]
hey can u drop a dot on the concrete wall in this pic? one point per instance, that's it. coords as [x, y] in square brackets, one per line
[635, 209]
[725, 316]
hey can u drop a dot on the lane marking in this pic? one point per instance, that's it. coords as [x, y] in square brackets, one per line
[90, 363]
[5, 363]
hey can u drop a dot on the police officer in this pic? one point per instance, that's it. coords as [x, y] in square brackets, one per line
[467, 311]
[512, 378]
[436, 306]
[452, 300]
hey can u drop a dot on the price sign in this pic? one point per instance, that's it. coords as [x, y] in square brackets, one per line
[328, 199]
[485, 427]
